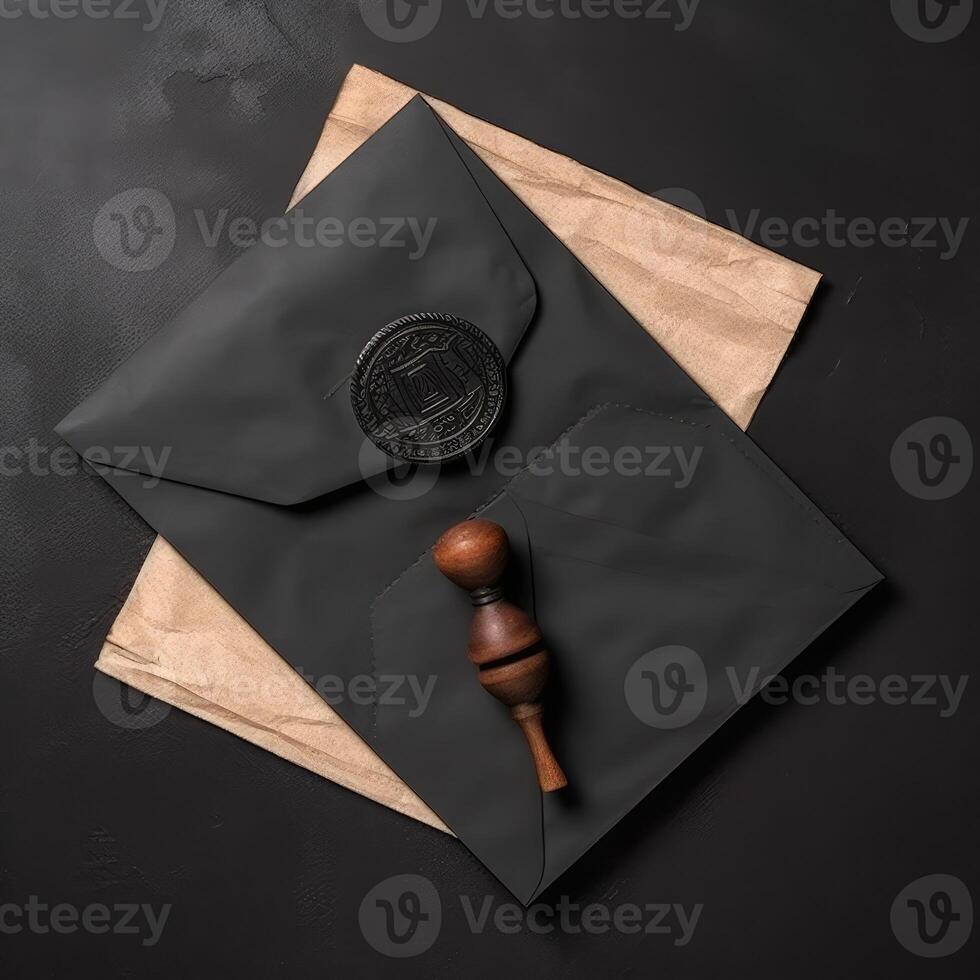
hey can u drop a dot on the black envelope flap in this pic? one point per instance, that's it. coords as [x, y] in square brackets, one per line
[247, 391]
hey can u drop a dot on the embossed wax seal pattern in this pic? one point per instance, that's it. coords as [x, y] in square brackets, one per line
[428, 387]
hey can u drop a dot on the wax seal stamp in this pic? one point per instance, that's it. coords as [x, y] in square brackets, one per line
[505, 643]
[428, 387]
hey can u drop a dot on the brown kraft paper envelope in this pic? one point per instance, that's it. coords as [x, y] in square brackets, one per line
[724, 308]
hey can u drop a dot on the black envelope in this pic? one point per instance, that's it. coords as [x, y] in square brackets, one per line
[671, 565]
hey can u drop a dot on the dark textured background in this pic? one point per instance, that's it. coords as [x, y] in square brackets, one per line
[798, 825]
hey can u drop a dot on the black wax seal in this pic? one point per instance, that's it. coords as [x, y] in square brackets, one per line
[428, 387]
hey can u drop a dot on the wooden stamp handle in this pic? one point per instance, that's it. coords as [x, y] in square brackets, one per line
[505, 644]
[550, 775]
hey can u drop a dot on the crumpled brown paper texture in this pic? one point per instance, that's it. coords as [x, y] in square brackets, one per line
[724, 308]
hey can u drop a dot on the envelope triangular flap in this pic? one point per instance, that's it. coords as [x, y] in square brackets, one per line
[246, 391]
